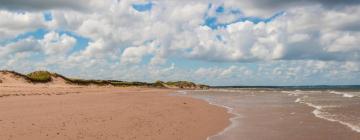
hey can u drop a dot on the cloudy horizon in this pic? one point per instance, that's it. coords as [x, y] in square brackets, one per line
[216, 42]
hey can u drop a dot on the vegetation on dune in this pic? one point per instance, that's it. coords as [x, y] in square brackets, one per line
[160, 84]
[107, 82]
[35, 77]
[201, 86]
[182, 84]
[40, 76]
[45, 77]
[88, 82]
[131, 84]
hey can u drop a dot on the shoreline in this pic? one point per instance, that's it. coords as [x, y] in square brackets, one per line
[232, 119]
[233, 115]
[316, 111]
[97, 113]
[272, 115]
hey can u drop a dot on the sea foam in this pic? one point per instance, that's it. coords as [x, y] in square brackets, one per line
[346, 95]
[323, 115]
[327, 116]
[233, 120]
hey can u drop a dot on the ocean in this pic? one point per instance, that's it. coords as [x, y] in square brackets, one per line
[287, 113]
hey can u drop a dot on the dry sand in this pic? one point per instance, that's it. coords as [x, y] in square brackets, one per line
[43, 112]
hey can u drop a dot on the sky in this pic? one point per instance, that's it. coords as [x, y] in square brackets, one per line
[215, 42]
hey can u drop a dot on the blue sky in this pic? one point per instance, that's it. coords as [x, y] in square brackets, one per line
[212, 42]
[142, 7]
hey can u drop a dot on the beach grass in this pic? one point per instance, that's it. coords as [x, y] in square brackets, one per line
[40, 76]
[46, 76]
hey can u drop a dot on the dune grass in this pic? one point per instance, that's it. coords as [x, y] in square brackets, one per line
[182, 84]
[40, 76]
[45, 77]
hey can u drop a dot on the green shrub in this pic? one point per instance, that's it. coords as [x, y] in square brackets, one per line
[40, 76]
[159, 84]
[181, 84]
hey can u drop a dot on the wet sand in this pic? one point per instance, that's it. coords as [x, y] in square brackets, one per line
[106, 113]
[273, 115]
[292, 121]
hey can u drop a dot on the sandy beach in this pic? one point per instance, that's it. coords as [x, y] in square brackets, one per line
[42, 112]
[63, 110]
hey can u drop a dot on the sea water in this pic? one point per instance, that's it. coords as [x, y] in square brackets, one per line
[282, 113]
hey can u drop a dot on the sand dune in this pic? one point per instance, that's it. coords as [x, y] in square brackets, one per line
[12, 79]
[49, 78]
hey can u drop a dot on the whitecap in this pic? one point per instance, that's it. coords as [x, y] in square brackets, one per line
[346, 95]
[329, 117]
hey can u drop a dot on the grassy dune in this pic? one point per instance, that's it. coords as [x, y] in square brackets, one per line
[46, 77]
[40, 76]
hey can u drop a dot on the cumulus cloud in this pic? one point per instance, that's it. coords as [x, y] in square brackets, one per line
[56, 44]
[300, 72]
[209, 31]
[39, 5]
[295, 35]
[179, 29]
[23, 46]
[135, 54]
[52, 44]
[14, 23]
[267, 7]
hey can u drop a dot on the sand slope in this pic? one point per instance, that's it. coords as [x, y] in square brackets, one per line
[12, 79]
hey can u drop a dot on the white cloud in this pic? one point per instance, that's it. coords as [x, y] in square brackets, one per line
[95, 49]
[52, 43]
[22, 46]
[39, 5]
[56, 44]
[313, 32]
[177, 27]
[304, 72]
[342, 42]
[15, 23]
[134, 54]
[295, 35]
[231, 72]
